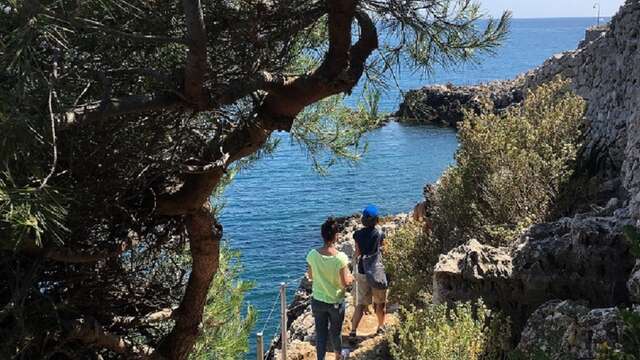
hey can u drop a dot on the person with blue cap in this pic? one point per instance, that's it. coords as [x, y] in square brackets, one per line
[371, 280]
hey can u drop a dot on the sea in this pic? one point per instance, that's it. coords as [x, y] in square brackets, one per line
[273, 210]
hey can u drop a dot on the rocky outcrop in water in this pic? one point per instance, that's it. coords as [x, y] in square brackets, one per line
[583, 257]
[446, 104]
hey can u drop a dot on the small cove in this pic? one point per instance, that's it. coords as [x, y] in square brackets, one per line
[274, 209]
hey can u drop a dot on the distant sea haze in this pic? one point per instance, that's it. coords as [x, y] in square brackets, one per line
[274, 209]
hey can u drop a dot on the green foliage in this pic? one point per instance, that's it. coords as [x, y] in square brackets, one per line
[464, 332]
[330, 132]
[225, 328]
[28, 214]
[509, 167]
[410, 254]
[441, 33]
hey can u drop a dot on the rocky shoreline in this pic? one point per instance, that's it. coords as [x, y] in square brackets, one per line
[445, 105]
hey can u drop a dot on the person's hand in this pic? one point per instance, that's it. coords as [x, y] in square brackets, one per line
[349, 279]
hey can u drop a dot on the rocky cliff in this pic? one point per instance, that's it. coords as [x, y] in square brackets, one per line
[582, 257]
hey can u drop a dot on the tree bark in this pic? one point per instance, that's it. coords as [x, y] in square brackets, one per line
[196, 69]
[204, 241]
[286, 97]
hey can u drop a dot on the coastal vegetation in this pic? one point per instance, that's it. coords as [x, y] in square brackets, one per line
[120, 119]
[225, 326]
[464, 331]
[509, 169]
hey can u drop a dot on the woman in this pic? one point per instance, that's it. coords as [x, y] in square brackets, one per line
[330, 276]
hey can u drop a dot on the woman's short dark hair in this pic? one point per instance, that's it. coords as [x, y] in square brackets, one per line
[329, 229]
[370, 221]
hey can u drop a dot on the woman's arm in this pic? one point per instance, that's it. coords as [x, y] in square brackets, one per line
[345, 277]
[357, 249]
[310, 272]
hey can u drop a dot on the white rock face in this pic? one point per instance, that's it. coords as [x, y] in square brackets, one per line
[606, 72]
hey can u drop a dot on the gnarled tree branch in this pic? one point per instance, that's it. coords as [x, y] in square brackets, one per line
[204, 241]
[90, 332]
[196, 68]
[280, 107]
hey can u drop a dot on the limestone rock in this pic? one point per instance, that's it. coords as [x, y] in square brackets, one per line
[568, 329]
[581, 258]
[471, 269]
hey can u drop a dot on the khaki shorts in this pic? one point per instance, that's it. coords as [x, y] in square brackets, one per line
[365, 294]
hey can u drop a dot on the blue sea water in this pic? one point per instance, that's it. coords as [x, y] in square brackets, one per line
[274, 209]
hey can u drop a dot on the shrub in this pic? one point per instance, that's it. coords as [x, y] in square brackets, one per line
[509, 167]
[410, 253]
[508, 172]
[464, 332]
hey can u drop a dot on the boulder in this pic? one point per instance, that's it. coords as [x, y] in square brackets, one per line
[472, 269]
[580, 258]
[569, 329]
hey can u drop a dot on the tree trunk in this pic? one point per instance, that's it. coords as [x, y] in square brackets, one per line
[204, 239]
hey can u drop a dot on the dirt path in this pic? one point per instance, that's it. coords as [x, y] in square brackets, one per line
[367, 345]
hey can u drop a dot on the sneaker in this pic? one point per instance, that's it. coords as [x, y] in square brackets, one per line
[381, 330]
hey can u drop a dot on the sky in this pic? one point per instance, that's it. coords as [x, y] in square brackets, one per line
[551, 8]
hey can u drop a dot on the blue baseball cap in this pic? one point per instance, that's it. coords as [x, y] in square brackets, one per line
[370, 211]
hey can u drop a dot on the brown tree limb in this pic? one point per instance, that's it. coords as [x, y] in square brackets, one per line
[72, 257]
[204, 242]
[196, 68]
[121, 106]
[280, 107]
[90, 332]
[155, 317]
